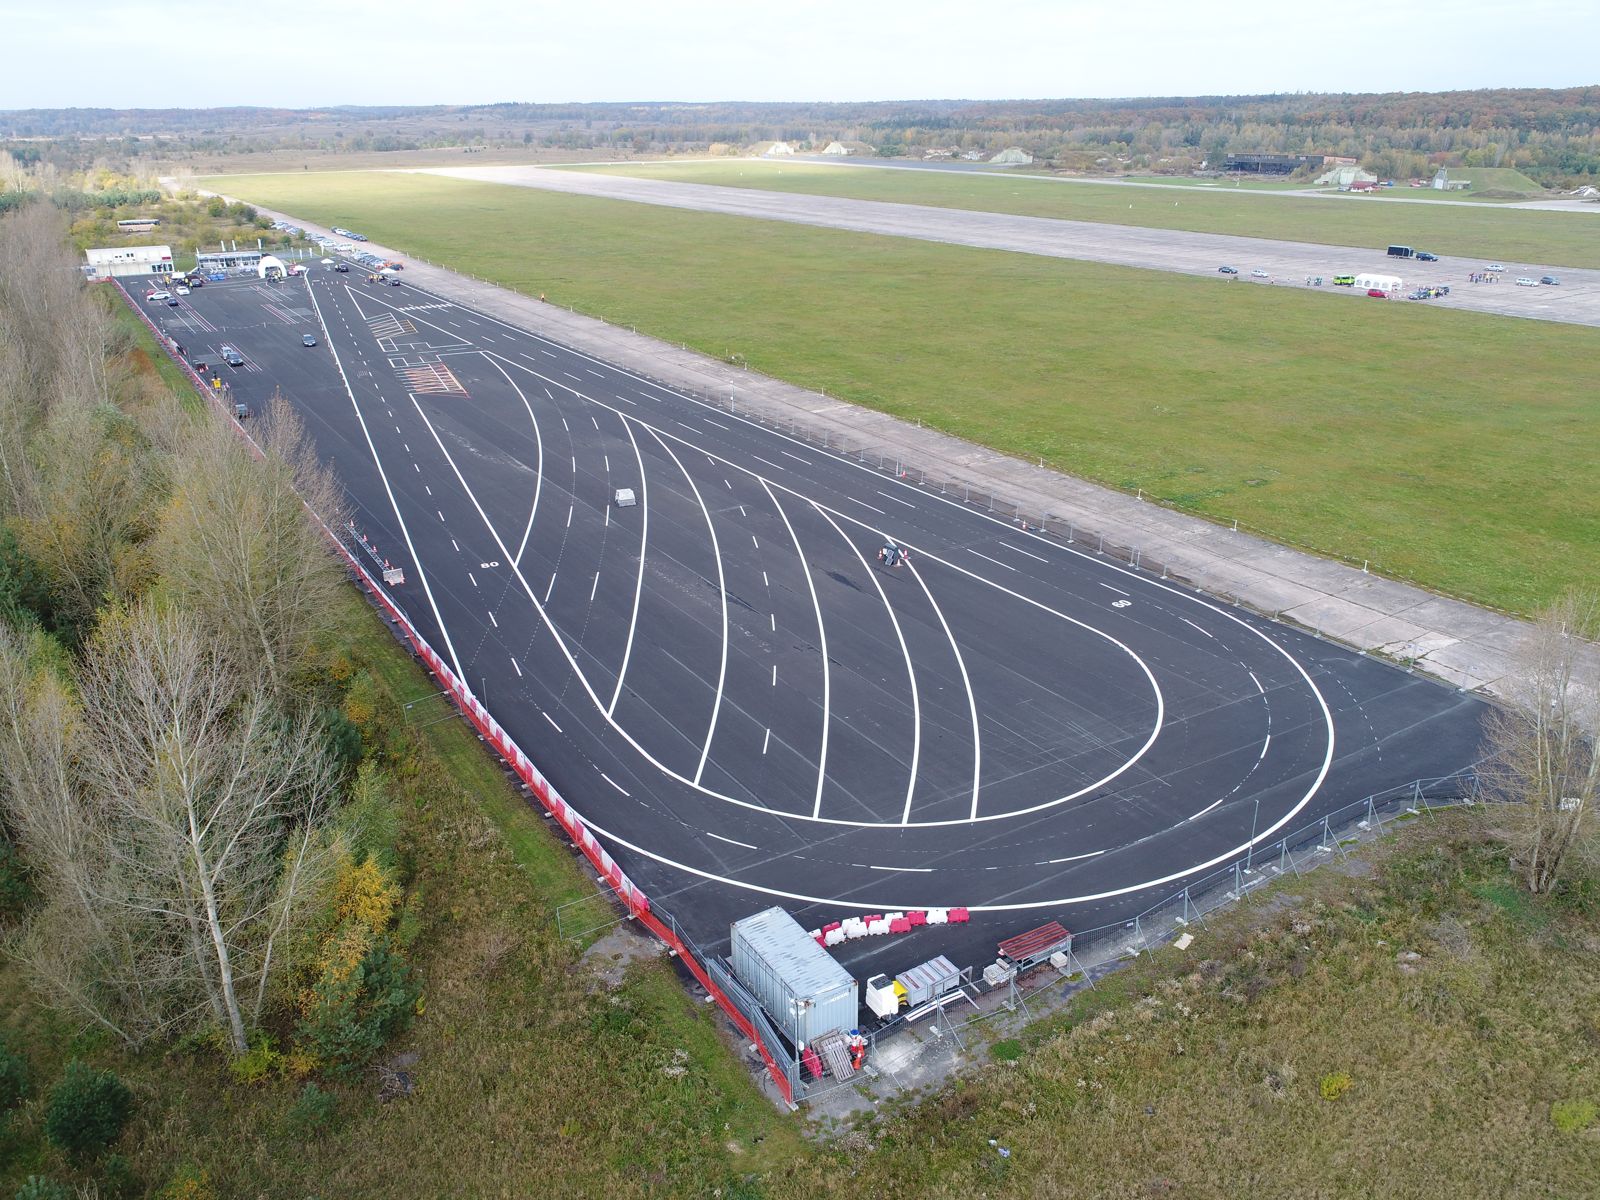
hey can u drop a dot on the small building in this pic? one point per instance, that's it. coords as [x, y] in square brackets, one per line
[841, 149]
[1015, 156]
[772, 149]
[803, 988]
[1443, 183]
[227, 260]
[116, 261]
[1345, 178]
[1363, 185]
[972, 156]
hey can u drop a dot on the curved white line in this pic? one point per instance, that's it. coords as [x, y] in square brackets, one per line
[822, 642]
[972, 701]
[722, 595]
[538, 440]
[911, 670]
[638, 588]
[416, 559]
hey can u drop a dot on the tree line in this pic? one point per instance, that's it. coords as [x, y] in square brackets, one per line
[192, 794]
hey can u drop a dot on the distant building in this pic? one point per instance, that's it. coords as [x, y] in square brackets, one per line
[116, 261]
[972, 155]
[225, 260]
[1346, 179]
[1443, 183]
[1014, 157]
[938, 153]
[840, 149]
[772, 149]
[1271, 164]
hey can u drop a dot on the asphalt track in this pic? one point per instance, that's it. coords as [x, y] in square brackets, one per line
[1286, 264]
[745, 704]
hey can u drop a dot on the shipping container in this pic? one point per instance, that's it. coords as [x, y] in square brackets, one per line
[804, 990]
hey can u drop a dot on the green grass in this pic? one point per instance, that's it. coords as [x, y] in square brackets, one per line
[1496, 179]
[1437, 445]
[1559, 238]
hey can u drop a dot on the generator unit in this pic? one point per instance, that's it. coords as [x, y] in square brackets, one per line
[912, 989]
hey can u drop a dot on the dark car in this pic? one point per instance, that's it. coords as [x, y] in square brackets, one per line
[232, 357]
[307, 339]
[1549, 281]
[1424, 256]
[172, 301]
[343, 268]
[1228, 270]
[395, 282]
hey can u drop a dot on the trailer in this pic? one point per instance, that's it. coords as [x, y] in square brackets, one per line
[802, 987]
[913, 991]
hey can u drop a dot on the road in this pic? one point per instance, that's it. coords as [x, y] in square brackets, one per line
[1288, 264]
[746, 704]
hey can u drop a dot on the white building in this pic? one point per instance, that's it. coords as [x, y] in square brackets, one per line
[1345, 177]
[128, 260]
[1014, 157]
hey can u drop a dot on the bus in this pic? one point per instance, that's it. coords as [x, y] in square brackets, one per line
[138, 225]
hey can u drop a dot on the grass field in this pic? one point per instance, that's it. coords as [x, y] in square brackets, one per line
[1437, 445]
[1556, 238]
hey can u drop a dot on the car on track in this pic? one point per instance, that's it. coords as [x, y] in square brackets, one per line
[158, 296]
[1527, 281]
[1495, 267]
[1424, 256]
[1228, 270]
[308, 339]
[394, 281]
[232, 357]
[1378, 293]
[173, 301]
[1258, 273]
[181, 290]
[1550, 281]
[342, 268]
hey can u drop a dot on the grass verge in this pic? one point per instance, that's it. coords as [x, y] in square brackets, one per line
[1434, 444]
[1513, 235]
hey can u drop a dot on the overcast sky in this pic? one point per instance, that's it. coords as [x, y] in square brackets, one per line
[301, 54]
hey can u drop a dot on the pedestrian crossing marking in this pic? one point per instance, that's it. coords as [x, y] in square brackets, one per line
[434, 379]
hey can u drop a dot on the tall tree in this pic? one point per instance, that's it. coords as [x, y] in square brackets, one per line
[1542, 745]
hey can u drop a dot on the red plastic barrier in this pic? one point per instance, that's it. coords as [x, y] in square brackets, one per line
[959, 916]
[917, 918]
[900, 925]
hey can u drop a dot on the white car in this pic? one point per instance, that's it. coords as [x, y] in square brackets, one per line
[1495, 267]
[1258, 273]
[1526, 282]
[155, 297]
[182, 291]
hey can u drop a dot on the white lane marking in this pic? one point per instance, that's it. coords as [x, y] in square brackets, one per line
[896, 499]
[796, 457]
[594, 587]
[441, 515]
[769, 462]
[638, 587]
[766, 741]
[995, 561]
[472, 577]
[570, 507]
[918, 870]
[564, 424]
[496, 623]
[722, 595]
[1257, 682]
[864, 504]
[596, 421]
[608, 516]
[427, 489]
[905, 651]
[1192, 625]
[1020, 550]
[754, 543]
[453, 543]
[613, 783]
[728, 485]
[574, 464]
[570, 375]
[1050, 862]
[773, 617]
[538, 467]
[774, 674]
[552, 721]
[718, 424]
[972, 700]
[765, 580]
[550, 589]
[416, 560]
[416, 468]
[516, 668]
[1109, 588]
[408, 451]
[1264, 746]
[1207, 808]
[729, 840]
[596, 374]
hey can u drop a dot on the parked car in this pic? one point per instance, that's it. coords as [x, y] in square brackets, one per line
[394, 281]
[173, 301]
[158, 296]
[1527, 281]
[1378, 293]
[232, 357]
[1549, 281]
[1258, 273]
[396, 266]
[1495, 267]
[1228, 270]
[181, 290]
[307, 339]
[1424, 256]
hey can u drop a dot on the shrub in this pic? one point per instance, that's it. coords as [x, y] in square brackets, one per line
[351, 1013]
[16, 892]
[312, 1112]
[40, 1188]
[13, 1078]
[117, 1180]
[257, 1063]
[1573, 1116]
[190, 1183]
[87, 1110]
[1008, 1050]
[1334, 1085]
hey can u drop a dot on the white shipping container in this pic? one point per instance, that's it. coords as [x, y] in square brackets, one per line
[804, 990]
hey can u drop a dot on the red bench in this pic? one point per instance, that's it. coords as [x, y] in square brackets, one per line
[1030, 946]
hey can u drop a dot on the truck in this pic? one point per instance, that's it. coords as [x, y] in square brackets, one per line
[1401, 252]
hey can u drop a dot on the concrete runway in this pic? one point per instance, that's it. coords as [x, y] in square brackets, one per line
[746, 705]
[1575, 302]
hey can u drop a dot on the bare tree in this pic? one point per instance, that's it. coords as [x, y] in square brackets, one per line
[178, 813]
[1542, 745]
[238, 542]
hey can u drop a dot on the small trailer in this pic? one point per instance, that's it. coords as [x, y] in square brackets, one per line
[625, 498]
[913, 991]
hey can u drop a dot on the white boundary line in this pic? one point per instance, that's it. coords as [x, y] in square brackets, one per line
[972, 700]
[538, 438]
[638, 588]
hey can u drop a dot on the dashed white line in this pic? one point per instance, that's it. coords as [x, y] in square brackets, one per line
[472, 577]
[457, 548]
[1264, 746]
[1257, 682]
[796, 457]
[774, 674]
[496, 623]
[995, 561]
[441, 515]
[1109, 588]
[1020, 550]
[569, 515]
[594, 587]
[864, 504]
[769, 462]
[718, 424]
[896, 499]
[1050, 862]
[920, 870]
[766, 741]
[1192, 625]
[517, 668]
[613, 783]
[754, 543]
[607, 460]
[773, 617]
[552, 721]
[427, 489]
[549, 589]
[720, 838]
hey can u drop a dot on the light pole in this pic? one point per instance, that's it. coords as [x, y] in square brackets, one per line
[1250, 851]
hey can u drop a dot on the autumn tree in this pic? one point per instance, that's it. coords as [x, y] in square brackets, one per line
[1542, 743]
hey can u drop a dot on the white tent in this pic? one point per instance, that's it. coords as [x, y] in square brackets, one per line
[1381, 283]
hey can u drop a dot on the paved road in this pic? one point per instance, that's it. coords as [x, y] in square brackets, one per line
[1288, 264]
[748, 705]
